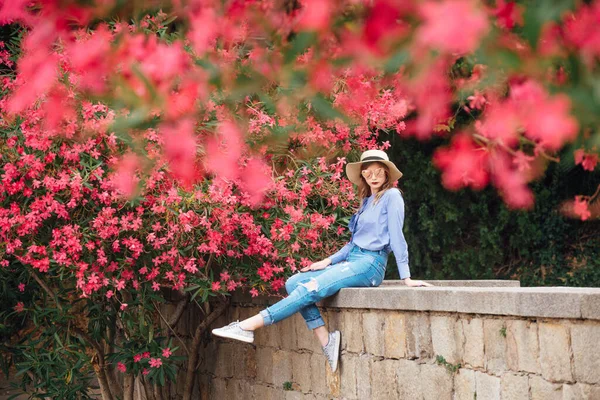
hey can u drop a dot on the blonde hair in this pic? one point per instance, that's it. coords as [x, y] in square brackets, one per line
[364, 190]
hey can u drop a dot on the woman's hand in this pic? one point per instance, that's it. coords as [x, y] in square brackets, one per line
[411, 283]
[317, 265]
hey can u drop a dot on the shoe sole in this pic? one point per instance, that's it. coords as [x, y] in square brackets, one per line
[232, 336]
[336, 352]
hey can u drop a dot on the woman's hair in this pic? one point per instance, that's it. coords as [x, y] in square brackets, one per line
[364, 190]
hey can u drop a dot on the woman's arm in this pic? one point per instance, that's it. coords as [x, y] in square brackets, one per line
[395, 209]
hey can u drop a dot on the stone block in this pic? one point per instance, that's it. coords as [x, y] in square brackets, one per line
[473, 342]
[409, 380]
[287, 330]
[515, 387]
[494, 345]
[523, 352]
[293, 395]
[437, 382]
[394, 335]
[418, 336]
[539, 389]
[348, 376]
[382, 379]
[304, 336]
[301, 370]
[218, 388]
[240, 389]
[446, 337]
[352, 336]
[264, 361]
[488, 386]
[263, 392]
[373, 332]
[282, 368]
[224, 366]
[363, 376]
[318, 375]
[580, 391]
[269, 336]
[464, 385]
[555, 352]
[585, 342]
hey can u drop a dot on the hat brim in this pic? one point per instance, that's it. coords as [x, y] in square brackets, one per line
[353, 171]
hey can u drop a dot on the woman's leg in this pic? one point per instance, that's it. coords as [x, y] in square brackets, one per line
[357, 272]
[310, 313]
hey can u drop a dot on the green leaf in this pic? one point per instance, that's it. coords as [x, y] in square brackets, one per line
[300, 43]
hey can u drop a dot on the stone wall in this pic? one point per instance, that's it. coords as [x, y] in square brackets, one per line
[443, 342]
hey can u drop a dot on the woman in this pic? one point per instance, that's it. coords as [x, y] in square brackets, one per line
[376, 230]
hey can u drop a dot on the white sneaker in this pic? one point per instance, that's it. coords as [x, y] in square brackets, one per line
[233, 331]
[332, 350]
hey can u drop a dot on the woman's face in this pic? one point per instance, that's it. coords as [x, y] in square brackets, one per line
[375, 176]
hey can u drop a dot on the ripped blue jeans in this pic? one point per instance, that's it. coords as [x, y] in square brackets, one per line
[361, 268]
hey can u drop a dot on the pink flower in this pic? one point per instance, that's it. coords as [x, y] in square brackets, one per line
[155, 362]
[155, 286]
[137, 358]
[166, 353]
[145, 372]
[216, 286]
[452, 26]
[315, 14]
[254, 292]
[225, 276]
[581, 208]
[587, 160]
[121, 367]
[20, 307]
[21, 287]
[123, 306]
[463, 164]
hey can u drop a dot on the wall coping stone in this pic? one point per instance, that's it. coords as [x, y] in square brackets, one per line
[543, 302]
[467, 283]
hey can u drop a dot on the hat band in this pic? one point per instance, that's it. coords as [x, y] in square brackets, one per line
[371, 158]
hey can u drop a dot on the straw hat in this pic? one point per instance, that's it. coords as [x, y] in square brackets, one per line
[353, 169]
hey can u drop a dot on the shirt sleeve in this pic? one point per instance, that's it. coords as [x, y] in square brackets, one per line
[395, 209]
[342, 254]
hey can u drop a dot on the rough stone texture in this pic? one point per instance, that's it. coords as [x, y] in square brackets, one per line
[446, 338]
[473, 342]
[318, 374]
[282, 368]
[464, 384]
[301, 370]
[488, 386]
[383, 378]
[348, 377]
[418, 336]
[352, 339]
[555, 357]
[523, 352]
[585, 340]
[580, 391]
[439, 382]
[543, 390]
[264, 358]
[514, 387]
[494, 345]
[363, 377]
[409, 380]
[372, 327]
[394, 335]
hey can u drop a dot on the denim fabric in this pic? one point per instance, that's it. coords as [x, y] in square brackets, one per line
[379, 227]
[361, 268]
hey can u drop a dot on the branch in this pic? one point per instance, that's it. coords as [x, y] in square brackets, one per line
[172, 330]
[46, 288]
[193, 358]
[179, 310]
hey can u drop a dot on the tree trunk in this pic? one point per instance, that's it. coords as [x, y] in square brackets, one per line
[128, 387]
[193, 359]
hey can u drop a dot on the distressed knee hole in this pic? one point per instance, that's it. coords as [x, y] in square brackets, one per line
[312, 285]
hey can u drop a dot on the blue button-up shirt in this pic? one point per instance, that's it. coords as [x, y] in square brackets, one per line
[378, 227]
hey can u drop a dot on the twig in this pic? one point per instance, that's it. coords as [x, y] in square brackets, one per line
[172, 330]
